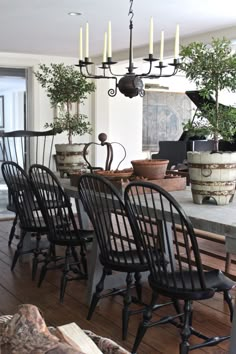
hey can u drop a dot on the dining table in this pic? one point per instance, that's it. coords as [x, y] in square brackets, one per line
[219, 219]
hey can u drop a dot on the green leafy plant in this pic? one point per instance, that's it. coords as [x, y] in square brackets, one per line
[213, 68]
[65, 86]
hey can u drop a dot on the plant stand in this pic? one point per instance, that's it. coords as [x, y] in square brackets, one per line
[212, 176]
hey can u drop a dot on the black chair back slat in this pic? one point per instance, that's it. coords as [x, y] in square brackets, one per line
[107, 213]
[26, 147]
[24, 198]
[160, 242]
[59, 214]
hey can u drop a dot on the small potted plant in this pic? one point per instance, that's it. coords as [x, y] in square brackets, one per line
[66, 89]
[213, 68]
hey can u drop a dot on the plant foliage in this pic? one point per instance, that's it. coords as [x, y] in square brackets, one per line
[65, 85]
[213, 68]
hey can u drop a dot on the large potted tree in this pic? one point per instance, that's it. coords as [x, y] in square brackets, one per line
[67, 89]
[213, 69]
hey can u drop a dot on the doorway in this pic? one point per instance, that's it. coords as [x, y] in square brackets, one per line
[13, 112]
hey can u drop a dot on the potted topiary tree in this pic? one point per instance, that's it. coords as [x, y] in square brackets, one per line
[213, 68]
[66, 89]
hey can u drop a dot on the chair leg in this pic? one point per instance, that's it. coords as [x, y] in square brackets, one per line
[18, 250]
[186, 332]
[76, 258]
[127, 302]
[143, 326]
[34, 266]
[65, 271]
[97, 295]
[52, 250]
[42, 274]
[228, 262]
[35, 258]
[178, 309]
[138, 285]
[47, 260]
[63, 287]
[228, 299]
[83, 259]
[13, 229]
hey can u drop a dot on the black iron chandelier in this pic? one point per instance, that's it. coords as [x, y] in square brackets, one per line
[130, 84]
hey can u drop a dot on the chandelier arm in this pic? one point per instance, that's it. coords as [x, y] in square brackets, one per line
[159, 76]
[142, 93]
[97, 76]
[155, 76]
[146, 74]
[113, 74]
[113, 91]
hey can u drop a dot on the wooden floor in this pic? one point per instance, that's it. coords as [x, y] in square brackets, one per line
[210, 316]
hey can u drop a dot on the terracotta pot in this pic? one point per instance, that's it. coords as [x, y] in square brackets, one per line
[150, 169]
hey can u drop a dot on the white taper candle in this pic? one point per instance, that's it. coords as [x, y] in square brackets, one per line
[162, 46]
[176, 52]
[151, 36]
[104, 60]
[87, 40]
[109, 49]
[81, 44]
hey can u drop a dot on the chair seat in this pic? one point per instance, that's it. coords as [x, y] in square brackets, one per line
[73, 238]
[127, 261]
[215, 281]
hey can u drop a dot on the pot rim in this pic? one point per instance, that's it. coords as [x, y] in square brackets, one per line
[150, 161]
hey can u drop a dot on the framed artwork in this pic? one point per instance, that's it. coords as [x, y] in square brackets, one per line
[163, 116]
[1, 111]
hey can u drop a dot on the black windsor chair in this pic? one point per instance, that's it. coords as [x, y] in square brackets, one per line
[62, 228]
[25, 147]
[154, 214]
[28, 211]
[117, 246]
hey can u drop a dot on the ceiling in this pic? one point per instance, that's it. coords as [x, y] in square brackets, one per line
[44, 26]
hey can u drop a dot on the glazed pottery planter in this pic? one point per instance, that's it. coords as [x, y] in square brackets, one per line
[150, 169]
[212, 176]
[69, 158]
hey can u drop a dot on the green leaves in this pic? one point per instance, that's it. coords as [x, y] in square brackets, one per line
[205, 123]
[74, 124]
[65, 85]
[213, 68]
